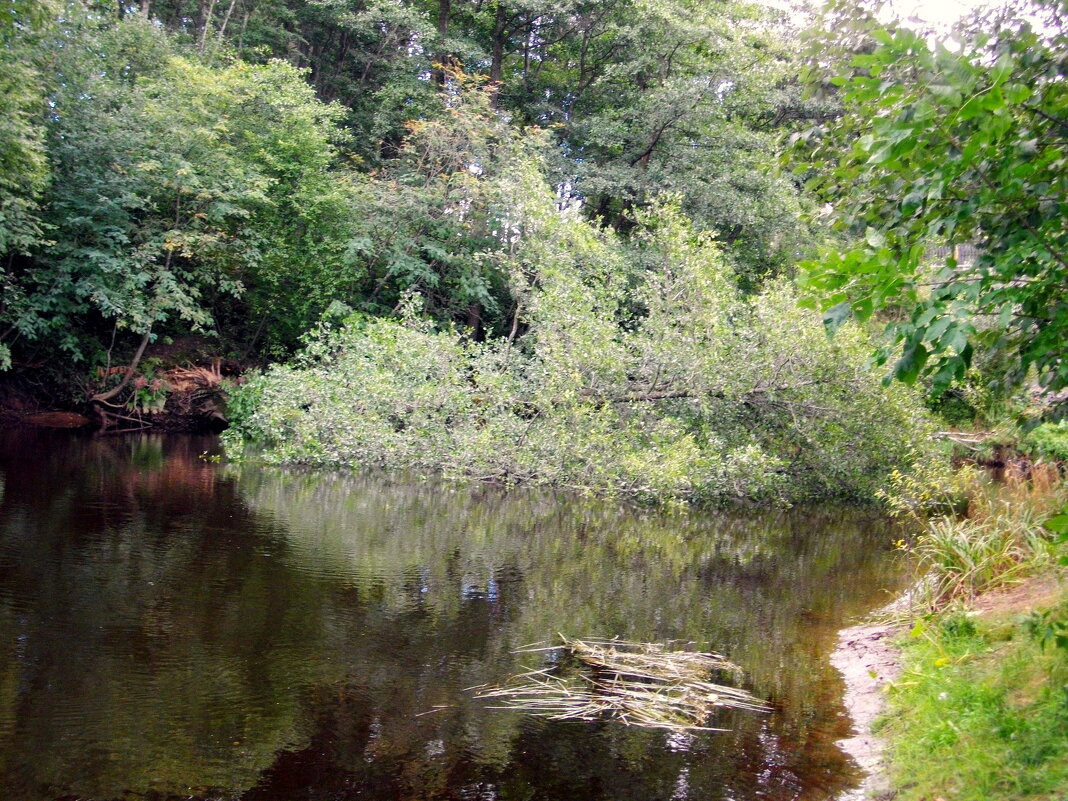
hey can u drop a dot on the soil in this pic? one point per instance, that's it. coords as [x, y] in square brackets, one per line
[1037, 593]
[17, 401]
[40, 396]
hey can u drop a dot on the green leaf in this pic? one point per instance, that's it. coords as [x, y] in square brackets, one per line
[836, 315]
[908, 367]
[863, 308]
[882, 154]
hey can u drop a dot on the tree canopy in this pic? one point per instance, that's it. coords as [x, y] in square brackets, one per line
[961, 142]
[237, 167]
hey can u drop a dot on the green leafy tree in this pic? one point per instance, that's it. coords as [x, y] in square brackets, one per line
[23, 158]
[437, 221]
[673, 97]
[631, 369]
[175, 186]
[950, 144]
[643, 96]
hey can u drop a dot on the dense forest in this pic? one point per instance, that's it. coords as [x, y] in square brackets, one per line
[596, 245]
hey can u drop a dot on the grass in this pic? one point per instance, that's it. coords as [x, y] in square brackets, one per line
[980, 712]
[999, 540]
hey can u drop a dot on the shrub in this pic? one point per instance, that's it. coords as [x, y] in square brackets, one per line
[1049, 441]
[1000, 539]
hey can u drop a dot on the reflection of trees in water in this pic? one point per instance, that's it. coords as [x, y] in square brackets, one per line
[133, 635]
[770, 589]
[252, 629]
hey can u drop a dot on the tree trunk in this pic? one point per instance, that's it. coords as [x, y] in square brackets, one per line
[104, 397]
[206, 23]
[474, 322]
[226, 19]
[443, 59]
[497, 52]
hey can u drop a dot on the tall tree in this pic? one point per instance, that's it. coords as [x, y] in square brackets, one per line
[23, 157]
[170, 179]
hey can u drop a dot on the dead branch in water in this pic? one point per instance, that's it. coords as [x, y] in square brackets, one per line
[639, 684]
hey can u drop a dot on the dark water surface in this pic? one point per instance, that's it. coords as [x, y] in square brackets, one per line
[175, 628]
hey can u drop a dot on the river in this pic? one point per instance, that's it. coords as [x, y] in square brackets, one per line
[175, 627]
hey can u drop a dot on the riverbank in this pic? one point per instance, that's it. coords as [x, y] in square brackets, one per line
[869, 662]
[174, 390]
[980, 712]
[969, 704]
[965, 698]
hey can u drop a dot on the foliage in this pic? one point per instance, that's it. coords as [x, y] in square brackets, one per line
[931, 487]
[1050, 627]
[1001, 537]
[23, 159]
[1048, 440]
[640, 96]
[175, 168]
[437, 221]
[979, 713]
[954, 143]
[686, 98]
[650, 377]
[170, 184]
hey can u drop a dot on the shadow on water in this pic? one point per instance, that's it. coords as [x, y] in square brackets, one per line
[175, 628]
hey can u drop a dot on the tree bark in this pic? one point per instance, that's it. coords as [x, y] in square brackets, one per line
[443, 59]
[226, 19]
[207, 24]
[497, 52]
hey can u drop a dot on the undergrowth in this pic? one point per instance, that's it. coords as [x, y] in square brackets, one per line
[1000, 537]
[980, 711]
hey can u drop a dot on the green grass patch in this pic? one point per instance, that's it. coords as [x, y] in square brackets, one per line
[980, 712]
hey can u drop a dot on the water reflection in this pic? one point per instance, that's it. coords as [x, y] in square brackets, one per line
[170, 627]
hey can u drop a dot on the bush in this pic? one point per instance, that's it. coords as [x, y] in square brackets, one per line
[1049, 441]
[1000, 539]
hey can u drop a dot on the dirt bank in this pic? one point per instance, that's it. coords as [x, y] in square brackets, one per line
[187, 398]
[868, 661]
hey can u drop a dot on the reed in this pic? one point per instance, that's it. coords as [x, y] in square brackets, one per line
[638, 684]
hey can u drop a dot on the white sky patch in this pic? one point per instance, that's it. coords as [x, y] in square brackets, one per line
[935, 13]
[938, 13]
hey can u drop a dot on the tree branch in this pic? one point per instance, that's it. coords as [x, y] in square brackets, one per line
[104, 397]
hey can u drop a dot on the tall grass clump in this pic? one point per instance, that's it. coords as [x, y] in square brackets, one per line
[999, 538]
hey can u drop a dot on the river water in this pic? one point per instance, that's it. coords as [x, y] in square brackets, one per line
[172, 627]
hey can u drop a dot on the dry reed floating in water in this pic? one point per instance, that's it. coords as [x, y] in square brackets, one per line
[640, 684]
